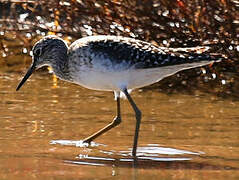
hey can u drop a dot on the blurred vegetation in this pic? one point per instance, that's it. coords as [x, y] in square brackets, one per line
[169, 23]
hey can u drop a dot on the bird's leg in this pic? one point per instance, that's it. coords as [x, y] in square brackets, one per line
[138, 119]
[115, 122]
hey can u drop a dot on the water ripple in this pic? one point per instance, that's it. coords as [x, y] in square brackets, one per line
[75, 143]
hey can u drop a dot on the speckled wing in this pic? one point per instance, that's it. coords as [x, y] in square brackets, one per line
[141, 55]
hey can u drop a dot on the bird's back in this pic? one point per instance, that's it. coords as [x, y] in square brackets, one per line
[139, 54]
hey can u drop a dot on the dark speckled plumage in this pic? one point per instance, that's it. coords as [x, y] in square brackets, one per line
[143, 55]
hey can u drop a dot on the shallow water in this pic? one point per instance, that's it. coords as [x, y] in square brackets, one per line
[181, 136]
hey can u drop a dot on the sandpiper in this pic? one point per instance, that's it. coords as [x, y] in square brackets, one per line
[113, 63]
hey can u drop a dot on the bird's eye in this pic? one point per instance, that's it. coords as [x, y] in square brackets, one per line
[38, 52]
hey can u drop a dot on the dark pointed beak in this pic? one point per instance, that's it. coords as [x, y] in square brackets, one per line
[27, 75]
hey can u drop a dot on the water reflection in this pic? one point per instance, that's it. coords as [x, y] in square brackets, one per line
[149, 163]
[146, 162]
[149, 152]
[41, 128]
[155, 149]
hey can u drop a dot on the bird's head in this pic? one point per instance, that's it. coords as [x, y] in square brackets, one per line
[45, 53]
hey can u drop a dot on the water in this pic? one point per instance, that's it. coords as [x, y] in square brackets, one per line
[181, 136]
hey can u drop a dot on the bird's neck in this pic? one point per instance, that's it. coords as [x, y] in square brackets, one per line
[60, 67]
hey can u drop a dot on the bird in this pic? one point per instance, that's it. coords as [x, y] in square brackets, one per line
[114, 63]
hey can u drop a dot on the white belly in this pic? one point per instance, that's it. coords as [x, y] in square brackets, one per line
[131, 79]
[109, 81]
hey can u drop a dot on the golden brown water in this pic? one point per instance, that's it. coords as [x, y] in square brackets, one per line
[181, 136]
